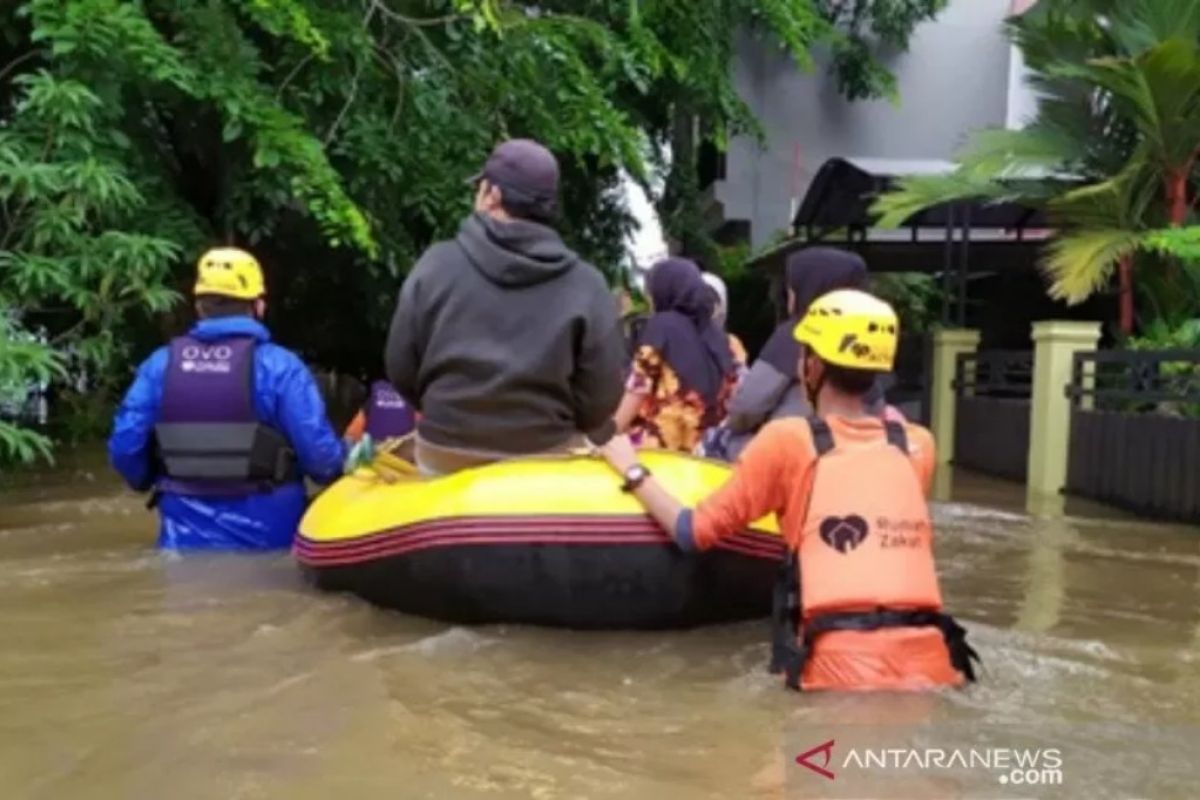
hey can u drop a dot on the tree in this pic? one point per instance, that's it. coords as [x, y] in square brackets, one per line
[1111, 154]
[82, 244]
[865, 26]
[696, 103]
[330, 136]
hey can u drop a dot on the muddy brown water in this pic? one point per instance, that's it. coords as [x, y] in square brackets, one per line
[128, 674]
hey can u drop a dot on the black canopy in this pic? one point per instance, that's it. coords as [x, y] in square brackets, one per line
[841, 194]
[953, 239]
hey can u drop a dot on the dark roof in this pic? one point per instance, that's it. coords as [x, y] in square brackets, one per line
[904, 255]
[842, 191]
[839, 200]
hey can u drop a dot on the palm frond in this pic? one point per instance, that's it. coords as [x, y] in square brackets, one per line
[1081, 263]
[1096, 205]
[996, 165]
[914, 195]
[1139, 26]
[1171, 72]
[1057, 32]
[1034, 152]
[1158, 91]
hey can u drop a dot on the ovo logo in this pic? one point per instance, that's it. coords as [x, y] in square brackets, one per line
[209, 359]
[806, 759]
[218, 352]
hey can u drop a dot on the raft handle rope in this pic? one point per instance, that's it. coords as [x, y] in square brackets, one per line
[390, 467]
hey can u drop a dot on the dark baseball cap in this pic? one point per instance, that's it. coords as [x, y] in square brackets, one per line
[523, 167]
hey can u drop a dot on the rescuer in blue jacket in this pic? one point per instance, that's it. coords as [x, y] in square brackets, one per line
[222, 425]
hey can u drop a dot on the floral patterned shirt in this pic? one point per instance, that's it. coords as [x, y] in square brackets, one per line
[670, 417]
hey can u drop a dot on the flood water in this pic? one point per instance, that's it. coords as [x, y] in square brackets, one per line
[126, 674]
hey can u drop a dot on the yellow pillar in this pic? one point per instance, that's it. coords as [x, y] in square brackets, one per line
[1055, 344]
[948, 343]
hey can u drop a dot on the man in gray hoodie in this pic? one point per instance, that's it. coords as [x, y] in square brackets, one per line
[505, 340]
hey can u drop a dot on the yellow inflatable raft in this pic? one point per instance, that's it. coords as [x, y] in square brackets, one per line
[550, 541]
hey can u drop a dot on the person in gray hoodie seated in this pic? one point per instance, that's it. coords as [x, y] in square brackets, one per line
[504, 340]
[771, 389]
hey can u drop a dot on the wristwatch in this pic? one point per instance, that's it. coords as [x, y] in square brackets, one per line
[635, 476]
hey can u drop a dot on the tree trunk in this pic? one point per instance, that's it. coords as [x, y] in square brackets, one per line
[677, 207]
[1177, 199]
[1125, 273]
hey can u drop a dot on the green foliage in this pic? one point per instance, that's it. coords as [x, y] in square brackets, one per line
[1158, 335]
[333, 137]
[79, 252]
[693, 101]
[864, 26]
[1161, 335]
[915, 296]
[24, 361]
[733, 260]
[1181, 243]
[1111, 153]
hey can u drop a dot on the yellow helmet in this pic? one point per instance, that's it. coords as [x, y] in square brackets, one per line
[852, 329]
[230, 272]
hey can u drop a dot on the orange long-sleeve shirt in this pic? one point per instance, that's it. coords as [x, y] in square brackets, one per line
[775, 473]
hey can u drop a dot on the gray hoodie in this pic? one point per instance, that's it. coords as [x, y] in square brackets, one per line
[505, 340]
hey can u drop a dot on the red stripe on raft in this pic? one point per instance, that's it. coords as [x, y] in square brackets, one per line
[566, 526]
[500, 534]
[386, 549]
[756, 545]
[562, 523]
[479, 534]
[475, 531]
[559, 525]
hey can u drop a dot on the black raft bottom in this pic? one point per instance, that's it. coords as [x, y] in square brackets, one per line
[586, 586]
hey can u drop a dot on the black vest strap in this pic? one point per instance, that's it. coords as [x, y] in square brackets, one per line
[822, 435]
[785, 615]
[896, 435]
[962, 655]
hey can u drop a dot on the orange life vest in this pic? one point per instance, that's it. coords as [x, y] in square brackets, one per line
[865, 555]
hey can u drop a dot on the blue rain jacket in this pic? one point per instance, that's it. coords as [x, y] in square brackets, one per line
[285, 397]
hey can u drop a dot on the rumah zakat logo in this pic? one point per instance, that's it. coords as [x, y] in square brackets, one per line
[844, 533]
[825, 751]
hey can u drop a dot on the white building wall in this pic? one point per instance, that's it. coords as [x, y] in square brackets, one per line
[954, 78]
[1022, 99]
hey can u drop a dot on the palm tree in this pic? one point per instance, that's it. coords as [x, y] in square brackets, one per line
[1111, 154]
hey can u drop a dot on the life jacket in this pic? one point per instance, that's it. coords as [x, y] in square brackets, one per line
[209, 440]
[388, 416]
[865, 555]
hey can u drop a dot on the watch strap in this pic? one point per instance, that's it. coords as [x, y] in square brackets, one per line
[635, 476]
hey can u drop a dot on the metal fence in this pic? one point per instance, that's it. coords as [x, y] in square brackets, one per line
[1135, 431]
[991, 427]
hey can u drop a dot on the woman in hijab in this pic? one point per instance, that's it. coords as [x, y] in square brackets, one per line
[683, 370]
[720, 315]
[771, 389]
